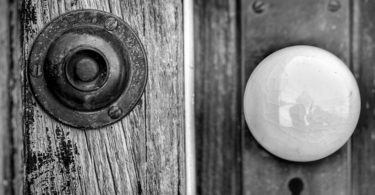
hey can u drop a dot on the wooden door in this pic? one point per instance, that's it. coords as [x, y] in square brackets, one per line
[144, 153]
[232, 38]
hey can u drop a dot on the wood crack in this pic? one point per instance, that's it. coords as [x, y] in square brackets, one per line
[93, 161]
[12, 105]
[110, 166]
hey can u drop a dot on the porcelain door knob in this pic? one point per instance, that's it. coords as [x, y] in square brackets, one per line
[302, 103]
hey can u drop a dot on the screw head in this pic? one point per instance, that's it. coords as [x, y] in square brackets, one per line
[259, 6]
[115, 112]
[36, 70]
[110, 24]
[334, 5]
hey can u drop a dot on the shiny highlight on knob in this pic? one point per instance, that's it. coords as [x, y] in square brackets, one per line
[302, 103]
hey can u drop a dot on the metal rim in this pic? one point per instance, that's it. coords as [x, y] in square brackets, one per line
[126, 100]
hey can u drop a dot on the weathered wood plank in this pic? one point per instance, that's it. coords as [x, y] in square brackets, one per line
[363, 140]
[270, 25]
[217, 97]
[16, 101]
[5, 60]
[10, 101]
[142, 154]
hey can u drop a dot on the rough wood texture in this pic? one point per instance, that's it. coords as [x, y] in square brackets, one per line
[279, 24]
[142, 154]
[10, 101]
[217, 97]
[363, 140]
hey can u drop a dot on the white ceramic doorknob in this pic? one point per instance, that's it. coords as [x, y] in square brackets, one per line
[302, 103]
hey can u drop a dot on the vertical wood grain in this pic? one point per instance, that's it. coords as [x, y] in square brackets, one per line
[10, 101]
[272, 26]
[217, 97]
[16, 101]
[363, 140]
[142, 154]
[4, 95]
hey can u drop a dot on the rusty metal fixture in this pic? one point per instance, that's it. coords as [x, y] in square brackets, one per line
[334, 5]
[259, 6]
[87, 69]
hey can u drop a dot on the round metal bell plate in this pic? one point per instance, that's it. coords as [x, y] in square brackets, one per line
[87, 69]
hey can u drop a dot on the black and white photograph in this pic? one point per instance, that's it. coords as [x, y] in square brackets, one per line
[187, 97]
